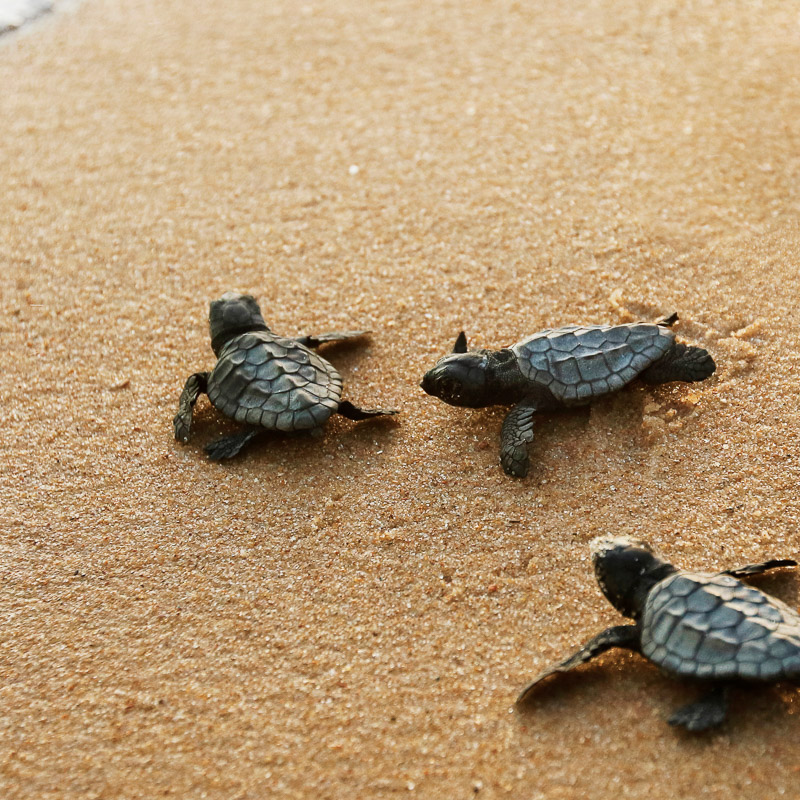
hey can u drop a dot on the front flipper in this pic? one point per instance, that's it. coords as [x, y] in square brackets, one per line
[196, 385]
[707, 712]
[515, 437]
[331, 336]
[347, 409]
[624, 636]
[230, 446]
[757, 569]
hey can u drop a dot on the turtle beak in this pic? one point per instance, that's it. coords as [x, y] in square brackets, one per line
[427, 383]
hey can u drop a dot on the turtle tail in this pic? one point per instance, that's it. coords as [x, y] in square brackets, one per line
[682, 363]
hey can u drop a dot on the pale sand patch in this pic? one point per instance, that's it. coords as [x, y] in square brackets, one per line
[353, 616]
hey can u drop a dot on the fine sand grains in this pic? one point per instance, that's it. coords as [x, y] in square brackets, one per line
[352, 616]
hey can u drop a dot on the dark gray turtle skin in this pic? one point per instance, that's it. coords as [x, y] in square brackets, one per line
[565, 367]
[264, 381]
[708, 627]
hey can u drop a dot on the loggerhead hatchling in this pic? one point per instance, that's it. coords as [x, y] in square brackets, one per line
[569, 366]
[707, 627]
[266, 381]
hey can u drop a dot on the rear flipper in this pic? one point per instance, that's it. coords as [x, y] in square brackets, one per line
[230, 446]
[347, 409]
[682, 363]
[707, 712]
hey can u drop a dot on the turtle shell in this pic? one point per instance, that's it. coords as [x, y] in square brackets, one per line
[714, 626]
[276, 383]
[579, 363]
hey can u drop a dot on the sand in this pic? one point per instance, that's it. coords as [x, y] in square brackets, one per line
[352, 616]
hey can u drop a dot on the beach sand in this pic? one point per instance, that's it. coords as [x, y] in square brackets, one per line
[353, 616]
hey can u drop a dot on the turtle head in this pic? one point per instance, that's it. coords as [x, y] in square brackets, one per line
[626, 570]
[461, 378]
[231, 315]
[475, 378]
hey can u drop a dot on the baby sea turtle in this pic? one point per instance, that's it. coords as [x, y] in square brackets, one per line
[709, 627]
[266, 381]
[569, 366]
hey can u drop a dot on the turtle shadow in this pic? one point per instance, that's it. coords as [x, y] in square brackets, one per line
[566, 687]
[300, 449]
[753, 711]
[782, 584]
[599, 696]
[553, 427]
[634, 690]
[347, 355]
